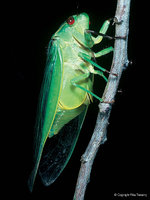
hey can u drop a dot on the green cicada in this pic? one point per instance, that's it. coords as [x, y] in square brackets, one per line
[65, 95]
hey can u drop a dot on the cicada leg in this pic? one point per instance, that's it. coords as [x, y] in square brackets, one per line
[103, 30]
[103, 52]
[86, 58]
[80, 78]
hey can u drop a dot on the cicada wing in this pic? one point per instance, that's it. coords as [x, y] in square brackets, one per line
[49, 97]
[58, 150]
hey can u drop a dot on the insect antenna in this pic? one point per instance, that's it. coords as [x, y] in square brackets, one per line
[77, 3]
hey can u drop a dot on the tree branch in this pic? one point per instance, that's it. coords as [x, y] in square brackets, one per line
[120, 60]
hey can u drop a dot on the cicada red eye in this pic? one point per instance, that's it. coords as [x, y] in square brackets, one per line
[70, 20]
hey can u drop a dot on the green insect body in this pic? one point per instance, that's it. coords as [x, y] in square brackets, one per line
[65, 95]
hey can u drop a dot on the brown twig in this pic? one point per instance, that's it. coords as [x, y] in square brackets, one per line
[119, 61]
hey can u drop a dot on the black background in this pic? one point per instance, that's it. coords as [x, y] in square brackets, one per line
[121, 165]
